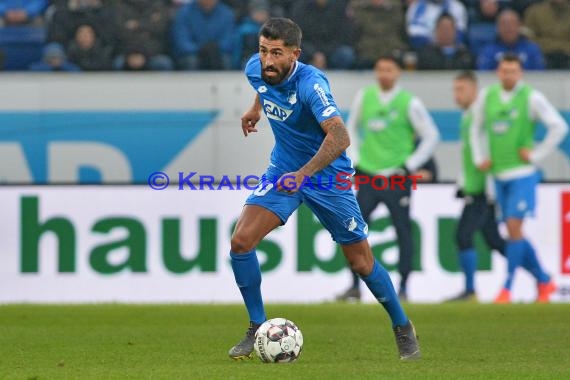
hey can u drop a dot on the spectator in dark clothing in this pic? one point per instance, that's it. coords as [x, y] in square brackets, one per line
[203, 34]
[281, 8]
[485, 10]
[54, 59]
[240, 8]
[22, 12]
[87, 51]
[422, 16]
[247, 41]
[136, 58]
[327, 33]
[549, 25]
[69, 15]
[143, 22]
[380, 30]
[510, 40]
[445, 53]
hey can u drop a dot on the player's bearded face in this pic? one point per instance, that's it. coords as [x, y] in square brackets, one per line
[277, 60]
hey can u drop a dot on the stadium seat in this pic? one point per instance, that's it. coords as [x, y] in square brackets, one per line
[22, 45]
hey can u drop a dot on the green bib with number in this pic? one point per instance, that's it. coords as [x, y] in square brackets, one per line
[509, 127]
[385, 131]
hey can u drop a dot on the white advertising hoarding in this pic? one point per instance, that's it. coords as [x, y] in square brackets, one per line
[62, 244]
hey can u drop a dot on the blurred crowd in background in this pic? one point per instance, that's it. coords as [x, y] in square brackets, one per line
[133, 35]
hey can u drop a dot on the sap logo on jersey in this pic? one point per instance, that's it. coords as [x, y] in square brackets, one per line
[273, 111]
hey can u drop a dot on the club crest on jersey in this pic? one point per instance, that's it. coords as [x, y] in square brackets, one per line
[350, 224]
[292, 98]
[262, 89]
[273, 111]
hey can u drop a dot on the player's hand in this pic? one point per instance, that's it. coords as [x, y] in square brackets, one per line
[290, 182]
[524, 154]
[249, 120]
[424, 175]
[486, 165]
[459, 193]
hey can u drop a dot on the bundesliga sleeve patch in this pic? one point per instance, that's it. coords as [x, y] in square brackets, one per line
[322, 94]
[326, 102]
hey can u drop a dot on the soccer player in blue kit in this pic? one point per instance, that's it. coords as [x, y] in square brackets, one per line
[310, 142]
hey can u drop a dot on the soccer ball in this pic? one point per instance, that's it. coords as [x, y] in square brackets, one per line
[278, 340]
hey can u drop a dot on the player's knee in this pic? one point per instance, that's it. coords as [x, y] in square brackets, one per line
[514, 228]
[361, 266]
[241, 243]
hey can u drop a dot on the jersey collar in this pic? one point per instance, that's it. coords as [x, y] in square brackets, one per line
[515, 89]
[288, 79]
[388, 96]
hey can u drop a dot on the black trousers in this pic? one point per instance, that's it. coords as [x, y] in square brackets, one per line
[397, 200]
[478, 214]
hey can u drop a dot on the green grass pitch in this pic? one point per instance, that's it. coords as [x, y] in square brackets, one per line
[342, 341]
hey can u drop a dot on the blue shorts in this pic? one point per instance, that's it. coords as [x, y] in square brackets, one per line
[336, 209]
[516, 198]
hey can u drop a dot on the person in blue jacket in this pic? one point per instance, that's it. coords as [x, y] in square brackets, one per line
[510, 40]
[203, 35]
[54, 59]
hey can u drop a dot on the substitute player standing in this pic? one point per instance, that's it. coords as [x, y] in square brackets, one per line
[383, 124]
[504, 118]
[310, 141]
[478, 213]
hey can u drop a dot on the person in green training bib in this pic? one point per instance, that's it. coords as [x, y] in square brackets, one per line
[502, 142]
[478, 213]
[384, 122]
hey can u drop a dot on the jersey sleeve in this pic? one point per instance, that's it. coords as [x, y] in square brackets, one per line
[426, 130]
[253, 69]
[316, 94]
[556, 126]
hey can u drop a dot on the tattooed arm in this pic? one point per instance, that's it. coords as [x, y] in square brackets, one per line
[336, 141]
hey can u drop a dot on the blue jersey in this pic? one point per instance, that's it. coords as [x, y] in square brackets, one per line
[295, 108]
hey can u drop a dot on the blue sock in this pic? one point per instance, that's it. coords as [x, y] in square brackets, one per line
[530, 262]
[515, 251]
[468, 261]
[526, 265]
[380, 284]
[248, 279]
